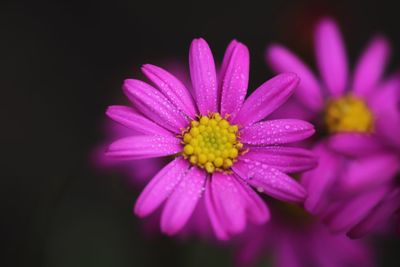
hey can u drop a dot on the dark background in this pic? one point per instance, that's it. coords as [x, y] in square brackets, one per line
[63, 62]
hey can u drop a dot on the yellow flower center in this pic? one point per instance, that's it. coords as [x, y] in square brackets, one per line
[211, 142]
[348, 114]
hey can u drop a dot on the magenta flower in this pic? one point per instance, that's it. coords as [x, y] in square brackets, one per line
[220, 143]
[297, 243]
[361, 116]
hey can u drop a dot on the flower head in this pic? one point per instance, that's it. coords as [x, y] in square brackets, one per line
[361, 118]
[220, 143]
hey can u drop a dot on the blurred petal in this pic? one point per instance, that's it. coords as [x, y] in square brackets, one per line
[285, 159]
[320, 179]
[267, 98]
[382, 213]
[143, 146]
[234, 78]
[308, 92]
[368, 172]
[355, 144]
[371, 66]
[385, 104]
[269, 180]
[131, 119]
[154, 105]
[160, 187]
[274, 132]
[352, 212]
[172, 88]
[331, 56]
[182, 202]
[204, 80]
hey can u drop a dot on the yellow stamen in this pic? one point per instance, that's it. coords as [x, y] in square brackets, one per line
[211, 142]
[348, 114]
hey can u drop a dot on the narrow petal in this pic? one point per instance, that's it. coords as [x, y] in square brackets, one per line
[318, 181]
[160, 187]
[293, 109]
[269, 180]
[219, 229]
[182, 202]
[354, 144]
[385, 106]
[267, 98]
[308, 92]
[371, 66]
[228, 200]
[381, 213]
[235, 79]
[144, 146]
[285, 159]
[368, 172]
[172, 88]
[352, 212]
[154, 105]
[226, 61]
[256, 209]
[275, 132]
[202, 73]
[131, 119]
[331, 56]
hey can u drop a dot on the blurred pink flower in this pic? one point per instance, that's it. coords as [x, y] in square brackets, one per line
[221, 147]
[353, 187]
[294, 242]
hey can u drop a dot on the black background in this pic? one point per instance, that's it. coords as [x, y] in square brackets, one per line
[63, 62]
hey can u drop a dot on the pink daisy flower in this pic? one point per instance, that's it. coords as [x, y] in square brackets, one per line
[220, 143]
[361, 117]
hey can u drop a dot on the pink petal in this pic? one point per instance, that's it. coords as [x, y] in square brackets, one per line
[293, 109]
[370, 66]
[368, 172]
[276, 132]
[382, 212]
[285, 159]
[172, 88]
[182, 202]
[160, 187]
[144, 146]
[219, 228]
[331, 56]
[354, 144]
[154, 105]
[228, 200]
[204, 80]
[256, 209]
[352, 212]
[267, 98]
[269, 180]
[318, 181]
[234, 79]
[131, 119]
[308, 92]
[385, 106]
[227, 58]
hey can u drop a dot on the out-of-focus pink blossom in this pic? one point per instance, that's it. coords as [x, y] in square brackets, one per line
[354, 186]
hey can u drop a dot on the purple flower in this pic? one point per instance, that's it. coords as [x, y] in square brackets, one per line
[304, 242]
[360, 156]
[220, 143]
